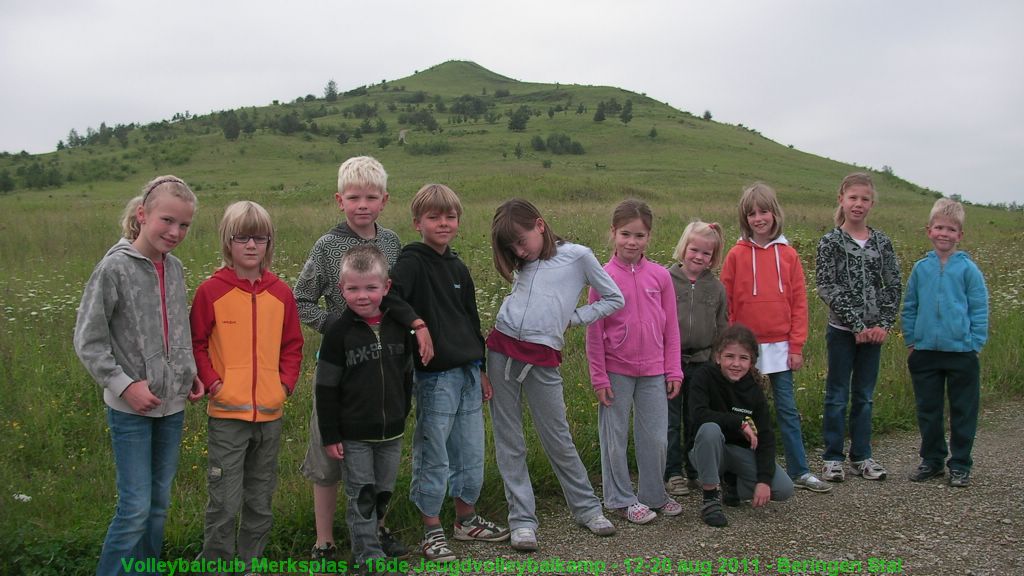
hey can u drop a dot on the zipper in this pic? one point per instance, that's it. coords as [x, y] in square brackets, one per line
[383, 384]
[255, 411]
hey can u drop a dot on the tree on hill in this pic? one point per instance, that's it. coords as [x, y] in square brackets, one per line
[331, 91]
[518, 119]
[599, 115]
[627, 112]
[6, 181]
[230, 125]
[707, 115]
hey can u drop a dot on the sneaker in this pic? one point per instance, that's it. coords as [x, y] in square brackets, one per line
[392, 547]
[712, 514]
[676, 486]
[636, 513]
[811, 482]
[435, 548]
[959, 478]
[926, 471]
[524, 540]
[480, 529]
[324, 552]
[868, 469]
[600, 526]
[671, 508]
[833, 470]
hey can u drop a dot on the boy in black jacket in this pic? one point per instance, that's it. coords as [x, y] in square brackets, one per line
[734, 438]
[448, 447]
[363, 391]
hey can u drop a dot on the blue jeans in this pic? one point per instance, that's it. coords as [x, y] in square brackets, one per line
[369, 472]
[146, 458]
[448, 447]
[788, 419]
[852, 374]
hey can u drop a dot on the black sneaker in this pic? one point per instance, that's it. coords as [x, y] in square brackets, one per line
[925, 471]
[324, 552]
[392, 547]
[712, 514]
[959, 478]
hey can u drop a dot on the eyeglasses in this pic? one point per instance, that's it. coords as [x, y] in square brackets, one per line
[244, 239]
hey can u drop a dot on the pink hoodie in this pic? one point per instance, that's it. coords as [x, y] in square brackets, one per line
[641, 339]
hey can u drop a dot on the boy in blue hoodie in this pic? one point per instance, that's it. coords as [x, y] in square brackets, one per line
[945, 324]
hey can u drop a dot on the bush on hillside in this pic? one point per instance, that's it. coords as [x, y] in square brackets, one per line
[432, 148]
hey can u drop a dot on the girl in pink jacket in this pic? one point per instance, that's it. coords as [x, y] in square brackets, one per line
[634, 361]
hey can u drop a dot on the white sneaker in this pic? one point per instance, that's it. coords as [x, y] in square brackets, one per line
[833, 470]
[811, 482]
[524, 540]
[868, 469]
[600, 526]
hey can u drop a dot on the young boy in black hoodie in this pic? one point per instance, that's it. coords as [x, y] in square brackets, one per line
[448, 447]
[734, 444]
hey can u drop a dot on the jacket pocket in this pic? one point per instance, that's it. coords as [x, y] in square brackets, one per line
[158, 374]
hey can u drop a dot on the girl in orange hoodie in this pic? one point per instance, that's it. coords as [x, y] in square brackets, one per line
[765, 289]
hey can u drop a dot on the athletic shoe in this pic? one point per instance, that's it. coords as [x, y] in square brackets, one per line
[868, 469]
[671, 508]
[676, 486]
[324, 552]
[926, 471]
[435, 548]
[477, 528]
[811, 482]
[636, 513]
[833, 471]
[711, 512]
[392, 547]
[600, 526]
[524, 540]
[959, 478]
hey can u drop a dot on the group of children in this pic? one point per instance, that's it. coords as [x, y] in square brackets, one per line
[402, 323]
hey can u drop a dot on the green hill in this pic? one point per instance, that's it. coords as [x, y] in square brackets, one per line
[59, 214]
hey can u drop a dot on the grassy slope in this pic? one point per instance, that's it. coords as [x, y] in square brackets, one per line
[55, 443]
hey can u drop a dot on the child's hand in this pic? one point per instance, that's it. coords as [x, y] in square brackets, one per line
[426, 345]
[673, 387]
[605, 396]
[762, 494]
[751, 436]
[197, 391]
[139, 396]
[486, 391]
[286, 392]
[214, 388]
[796, 362]
[336, 451]
[879, 334]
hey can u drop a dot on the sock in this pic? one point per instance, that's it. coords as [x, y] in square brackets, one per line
[465, 519]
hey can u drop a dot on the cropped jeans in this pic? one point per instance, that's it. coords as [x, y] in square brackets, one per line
[145, 457]
[448, 447]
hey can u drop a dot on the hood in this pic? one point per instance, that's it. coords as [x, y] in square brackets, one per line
[125, 246]
[345, 231]
[772, 245]
[227, 276]
[676, 271]
[423, 251]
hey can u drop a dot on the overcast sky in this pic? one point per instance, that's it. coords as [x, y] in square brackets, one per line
[932, 88]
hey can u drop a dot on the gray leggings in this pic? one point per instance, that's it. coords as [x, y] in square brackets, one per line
[712, 457]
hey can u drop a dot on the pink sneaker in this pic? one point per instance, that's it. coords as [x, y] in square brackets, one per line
[671, 508]
[637, 513]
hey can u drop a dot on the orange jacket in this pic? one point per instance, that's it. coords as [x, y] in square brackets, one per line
[766, 292]
[246, 335]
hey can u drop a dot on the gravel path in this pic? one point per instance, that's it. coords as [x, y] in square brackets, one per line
[907, 527]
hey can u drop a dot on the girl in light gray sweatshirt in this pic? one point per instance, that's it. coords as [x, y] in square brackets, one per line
[524, 352]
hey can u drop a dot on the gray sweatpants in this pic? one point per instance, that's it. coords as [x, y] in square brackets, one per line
[712, 457]
[543, 388]
[645, 396]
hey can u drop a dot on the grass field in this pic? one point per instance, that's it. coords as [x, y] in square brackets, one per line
[55, 444]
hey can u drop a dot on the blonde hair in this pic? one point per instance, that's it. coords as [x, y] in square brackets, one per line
[855, 179]
[130, 226]
[245, 218]
[947, 208]
[510, 218]
[363, 259]
[362, 171]
[762, 196]
[435, 198]
[712, 232]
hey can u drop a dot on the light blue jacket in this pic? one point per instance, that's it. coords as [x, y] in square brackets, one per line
[946, 307]
[545, 295]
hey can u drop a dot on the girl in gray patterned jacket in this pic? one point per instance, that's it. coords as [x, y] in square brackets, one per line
[858, 277]
[132, 335]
